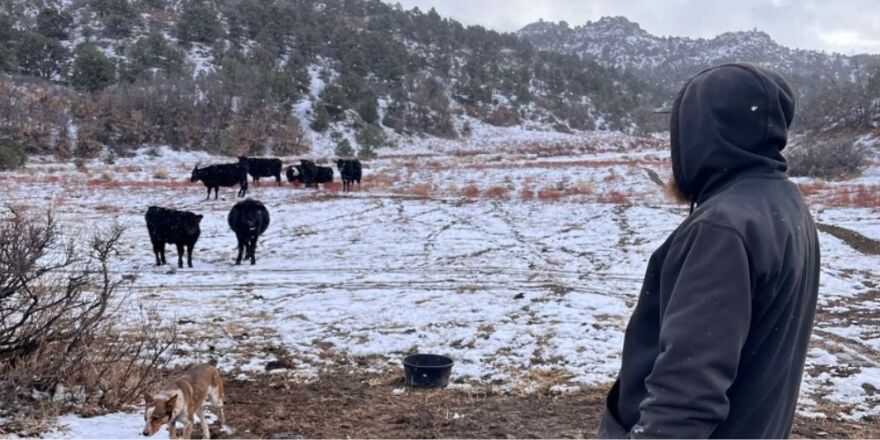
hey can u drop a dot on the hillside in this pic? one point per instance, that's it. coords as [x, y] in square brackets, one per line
[833, 88]
[284, 75]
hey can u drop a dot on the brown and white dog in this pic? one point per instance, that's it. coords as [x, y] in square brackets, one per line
[182, 399]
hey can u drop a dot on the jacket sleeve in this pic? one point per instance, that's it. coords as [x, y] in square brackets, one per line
[706, 289]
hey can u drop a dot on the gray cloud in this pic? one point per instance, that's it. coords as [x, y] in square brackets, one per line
[846, 26]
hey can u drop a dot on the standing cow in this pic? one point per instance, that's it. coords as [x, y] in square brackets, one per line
[350, 172]
[170, 226]
[263, 167]
[309, 174]
[312, 175]
[248, 219]
[215, 176]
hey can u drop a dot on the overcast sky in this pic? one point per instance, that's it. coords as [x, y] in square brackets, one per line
[846, 26]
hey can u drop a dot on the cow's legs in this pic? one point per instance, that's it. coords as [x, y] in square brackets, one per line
[162, 251]
[156, 252]
[189, 255]
[278, 179]
[241, 245]
[179, 255]
[253, 251]
[209, 194]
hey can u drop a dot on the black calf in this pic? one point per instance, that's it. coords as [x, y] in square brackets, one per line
[169, 226]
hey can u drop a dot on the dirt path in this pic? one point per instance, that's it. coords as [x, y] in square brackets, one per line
[852, 238]
[348, 404]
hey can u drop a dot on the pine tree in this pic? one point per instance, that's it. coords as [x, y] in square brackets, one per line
[92, 71]
[41, 56]
[54, 24]
[198, 24]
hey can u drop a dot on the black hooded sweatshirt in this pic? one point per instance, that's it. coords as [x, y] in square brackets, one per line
[717, 342]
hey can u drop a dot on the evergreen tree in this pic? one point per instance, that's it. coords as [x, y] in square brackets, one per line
[343, 148]
[41, 56]
[8, 61]
[92, 71]
[369, 109]
[322, 118]
[198, 24]
[54, 24]
[153, 53]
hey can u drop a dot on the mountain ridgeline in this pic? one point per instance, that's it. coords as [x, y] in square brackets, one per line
[280, 76]
[834, 90]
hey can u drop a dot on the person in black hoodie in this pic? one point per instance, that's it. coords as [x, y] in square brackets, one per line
[716, 345]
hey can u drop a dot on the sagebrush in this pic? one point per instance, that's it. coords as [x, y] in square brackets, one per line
[828, 159]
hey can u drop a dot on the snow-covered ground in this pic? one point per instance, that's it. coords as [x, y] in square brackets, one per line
[515, 263]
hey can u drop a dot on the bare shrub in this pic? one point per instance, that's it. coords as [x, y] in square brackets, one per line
[548, 194]
[496, 192]
[504, 116]
[828, 159]
[470, 192]
[60, 312]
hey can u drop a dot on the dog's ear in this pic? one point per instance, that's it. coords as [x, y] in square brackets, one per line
[170, 404]
[147, 398]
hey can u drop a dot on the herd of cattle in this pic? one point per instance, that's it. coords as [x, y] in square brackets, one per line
[306, 173]
[248, 219]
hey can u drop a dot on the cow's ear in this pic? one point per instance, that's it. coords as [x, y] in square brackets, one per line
[199, 217]
[147, 398]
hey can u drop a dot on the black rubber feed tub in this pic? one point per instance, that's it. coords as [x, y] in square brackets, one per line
[427, 370]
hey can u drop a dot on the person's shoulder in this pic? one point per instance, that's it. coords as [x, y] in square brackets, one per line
[746, 206]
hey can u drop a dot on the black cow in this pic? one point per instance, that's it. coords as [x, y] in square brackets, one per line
[177, 227]
[215, 176]
[350, 171]
[309, 174]
[294, 173]
[263, 167]
[248, 219]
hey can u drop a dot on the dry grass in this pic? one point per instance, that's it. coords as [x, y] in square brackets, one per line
[496, 192]
[614, 197]
[550, 194]
[855, 196]
[332, 187]
[842, 196]
[380, 181]
[139, 184]
[470, 191]
[812, 189]
[422, 191]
